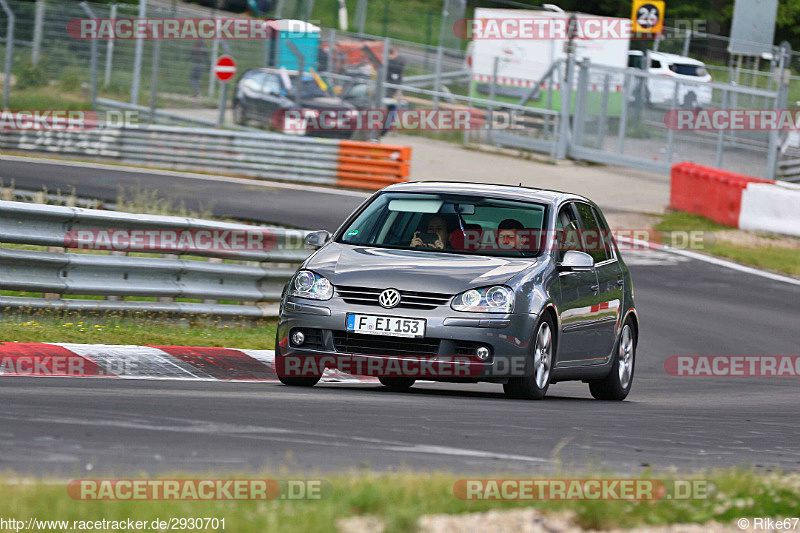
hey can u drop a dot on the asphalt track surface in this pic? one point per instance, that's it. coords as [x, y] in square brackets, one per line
[280, 204]
[687, 307]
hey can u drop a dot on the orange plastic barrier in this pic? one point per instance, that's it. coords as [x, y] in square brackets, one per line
[350, 53]
[710, 192]
[372, 166]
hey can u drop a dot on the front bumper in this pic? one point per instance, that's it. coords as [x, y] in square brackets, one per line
[446, 353]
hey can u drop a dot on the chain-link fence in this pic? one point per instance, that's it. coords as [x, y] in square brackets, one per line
[639, 130]
[758, 72]
[610, 115]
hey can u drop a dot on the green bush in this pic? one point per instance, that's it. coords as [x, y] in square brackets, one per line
[30, 75]
[72, 78]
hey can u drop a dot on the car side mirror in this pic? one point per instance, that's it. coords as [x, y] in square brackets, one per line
[317, 239]
[575, 260]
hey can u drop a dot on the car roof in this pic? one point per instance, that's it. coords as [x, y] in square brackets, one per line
[675, 58]
[271, 70]
[510, 192]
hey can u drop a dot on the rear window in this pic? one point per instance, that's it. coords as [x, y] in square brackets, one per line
[688, 70]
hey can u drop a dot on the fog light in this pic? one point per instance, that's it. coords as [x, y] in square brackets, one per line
[483, 353]
[298, 338]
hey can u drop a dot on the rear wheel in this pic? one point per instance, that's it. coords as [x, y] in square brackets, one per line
[292, 381]
[617, 384]
[397, 383]
[534, 384]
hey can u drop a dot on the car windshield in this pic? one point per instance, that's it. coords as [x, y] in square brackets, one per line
[449, 223]
[687, 70]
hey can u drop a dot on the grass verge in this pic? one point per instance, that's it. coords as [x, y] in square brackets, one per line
[399, 499]
[145, 328]
[781, 254]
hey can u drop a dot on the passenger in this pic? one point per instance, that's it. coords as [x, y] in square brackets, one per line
[507, 233]
[437, 225]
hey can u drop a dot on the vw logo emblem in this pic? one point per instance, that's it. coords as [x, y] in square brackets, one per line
[389, 298]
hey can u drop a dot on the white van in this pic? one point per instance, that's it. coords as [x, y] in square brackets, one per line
[680, 68]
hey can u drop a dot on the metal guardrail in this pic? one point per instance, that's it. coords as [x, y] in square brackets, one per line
[171, 276]
[425, 80]
[160, 116]
[789, 170]
[255, 154]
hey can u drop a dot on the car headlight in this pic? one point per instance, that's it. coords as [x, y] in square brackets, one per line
[497, 299]
[306, 284]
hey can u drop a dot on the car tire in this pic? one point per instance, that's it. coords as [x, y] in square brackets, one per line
[534, 384]
[397, 383]
[618, 383]
[690, 101]
[239, 116]
[293, 381]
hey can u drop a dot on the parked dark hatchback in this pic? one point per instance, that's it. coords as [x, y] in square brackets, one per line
[264, 93]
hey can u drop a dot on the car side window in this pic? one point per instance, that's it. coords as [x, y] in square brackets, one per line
[272, 85]
[568, 232]
[591, 236]
[605, 233]
[655, 63]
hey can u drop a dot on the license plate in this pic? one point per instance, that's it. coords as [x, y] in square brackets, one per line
[390, 326]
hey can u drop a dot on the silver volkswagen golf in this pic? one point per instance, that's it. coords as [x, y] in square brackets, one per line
[464, 283]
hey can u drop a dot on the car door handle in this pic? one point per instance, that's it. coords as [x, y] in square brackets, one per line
[595, 288]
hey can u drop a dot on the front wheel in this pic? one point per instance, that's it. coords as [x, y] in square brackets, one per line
[534, 384]
[617, 384]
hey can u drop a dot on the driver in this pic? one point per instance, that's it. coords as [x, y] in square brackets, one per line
[437, 225]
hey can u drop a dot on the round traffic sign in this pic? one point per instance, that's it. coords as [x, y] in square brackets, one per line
[225, 68]
[647, 16]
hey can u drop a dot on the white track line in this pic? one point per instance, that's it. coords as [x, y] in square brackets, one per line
[714, 261]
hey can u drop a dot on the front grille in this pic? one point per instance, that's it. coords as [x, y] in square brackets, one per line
[408, 299]
[360, 344]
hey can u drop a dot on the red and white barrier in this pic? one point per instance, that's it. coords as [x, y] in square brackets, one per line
[735, 200]
[145, 362]
[773, 208]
